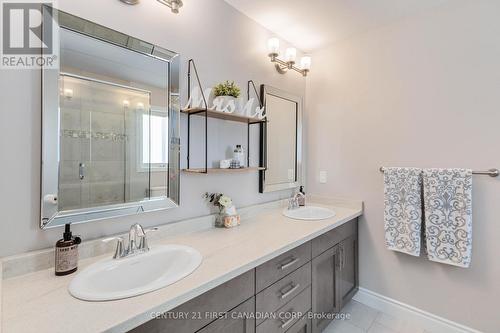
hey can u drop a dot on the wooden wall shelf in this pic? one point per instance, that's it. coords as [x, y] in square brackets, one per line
[206, 113]
[219, 170]
[223, 115]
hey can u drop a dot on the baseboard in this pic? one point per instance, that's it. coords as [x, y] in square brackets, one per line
[424, 319]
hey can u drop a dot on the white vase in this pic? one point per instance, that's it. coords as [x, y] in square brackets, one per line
[224, 102]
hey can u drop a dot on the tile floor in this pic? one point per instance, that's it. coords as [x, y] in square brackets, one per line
[364, 319]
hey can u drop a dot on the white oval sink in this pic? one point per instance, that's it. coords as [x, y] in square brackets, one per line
[112, 279]
[309, 213]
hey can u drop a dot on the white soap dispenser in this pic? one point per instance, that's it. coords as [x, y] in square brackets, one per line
[239, 155]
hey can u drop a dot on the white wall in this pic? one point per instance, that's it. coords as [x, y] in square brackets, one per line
[422, 92]
[225, 45]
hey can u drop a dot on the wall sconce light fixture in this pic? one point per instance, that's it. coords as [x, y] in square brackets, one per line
[174, 5]
[282, 66]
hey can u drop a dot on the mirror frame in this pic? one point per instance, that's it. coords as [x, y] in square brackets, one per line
[50, 216]
[263, 186]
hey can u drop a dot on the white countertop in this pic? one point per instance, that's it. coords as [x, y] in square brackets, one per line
[39, 302]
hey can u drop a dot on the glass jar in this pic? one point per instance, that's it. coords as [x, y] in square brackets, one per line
[227, 217]
[219, 219]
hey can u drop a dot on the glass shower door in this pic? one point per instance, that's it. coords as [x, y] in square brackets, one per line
[99, 125]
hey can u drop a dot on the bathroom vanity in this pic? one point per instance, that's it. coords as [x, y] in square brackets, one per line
[271, 264]
[280, 295]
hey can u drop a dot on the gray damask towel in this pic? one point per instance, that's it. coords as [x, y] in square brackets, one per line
[403, 209]
[448, 215]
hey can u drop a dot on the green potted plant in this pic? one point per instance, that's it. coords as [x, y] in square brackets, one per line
[225, 92]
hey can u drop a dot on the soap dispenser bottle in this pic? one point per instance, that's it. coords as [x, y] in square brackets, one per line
[239, 155]
[302, 198]
[67, 253]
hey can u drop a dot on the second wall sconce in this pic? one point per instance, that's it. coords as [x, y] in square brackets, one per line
[282, 66]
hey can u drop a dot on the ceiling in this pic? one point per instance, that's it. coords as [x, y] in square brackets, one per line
[313, 24]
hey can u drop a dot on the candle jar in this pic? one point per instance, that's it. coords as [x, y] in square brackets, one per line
[227, 217]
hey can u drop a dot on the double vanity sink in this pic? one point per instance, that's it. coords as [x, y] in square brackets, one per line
[153, 269]
[123, 294]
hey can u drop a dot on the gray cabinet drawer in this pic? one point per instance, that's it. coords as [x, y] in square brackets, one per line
[275, 296]
[238, 320]
[302, 326]
[288, 314]
[322, 243]
[220, 299]
[273, 270]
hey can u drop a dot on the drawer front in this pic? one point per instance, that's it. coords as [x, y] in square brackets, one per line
[322, 243]
[220, 299]
[238, 320]
[288, 314]
[280, 293]
[302, 326]
[273, 270]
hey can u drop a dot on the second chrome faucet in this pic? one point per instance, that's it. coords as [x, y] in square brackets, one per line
[137, 242]
[295, 200]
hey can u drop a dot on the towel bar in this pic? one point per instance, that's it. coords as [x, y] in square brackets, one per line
[490, 172]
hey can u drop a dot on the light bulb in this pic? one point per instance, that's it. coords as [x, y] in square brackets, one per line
[273, 45]
[126, 103]
[290, 54]
[68, 93]
[305, 63]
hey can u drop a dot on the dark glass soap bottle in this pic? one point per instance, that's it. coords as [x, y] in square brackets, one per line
[302, 198]
[67, 253]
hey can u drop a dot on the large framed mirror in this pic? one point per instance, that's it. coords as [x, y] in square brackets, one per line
[110, 125]
[281, 144]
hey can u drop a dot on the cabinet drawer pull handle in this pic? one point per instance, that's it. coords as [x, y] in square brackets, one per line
[288, 322]
[341, 257]
[291, 291]
[289, 264]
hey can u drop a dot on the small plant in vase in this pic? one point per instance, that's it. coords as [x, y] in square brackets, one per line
[227, 216]
[225, 95]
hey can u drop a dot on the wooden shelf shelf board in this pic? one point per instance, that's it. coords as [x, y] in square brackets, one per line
[219, 170]
[223, 115]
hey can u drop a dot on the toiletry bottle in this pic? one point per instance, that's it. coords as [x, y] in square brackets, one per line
[67, 253]
[302, 198]
[239, 155]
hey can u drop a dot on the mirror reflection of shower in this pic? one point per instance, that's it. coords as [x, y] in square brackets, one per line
[106, 151]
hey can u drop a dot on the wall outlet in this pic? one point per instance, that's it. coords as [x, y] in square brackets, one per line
[322, 177]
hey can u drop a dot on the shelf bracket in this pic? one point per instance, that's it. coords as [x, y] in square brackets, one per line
[192, 63]
[250, 82]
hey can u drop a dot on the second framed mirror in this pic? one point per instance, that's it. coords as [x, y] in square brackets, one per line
[281, 147]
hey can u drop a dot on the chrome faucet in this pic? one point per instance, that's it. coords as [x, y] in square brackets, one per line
[137, 242]
[136, 232]
[293, 202]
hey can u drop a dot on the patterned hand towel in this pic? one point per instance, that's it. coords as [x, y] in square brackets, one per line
[403, 209]
[448, 215]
